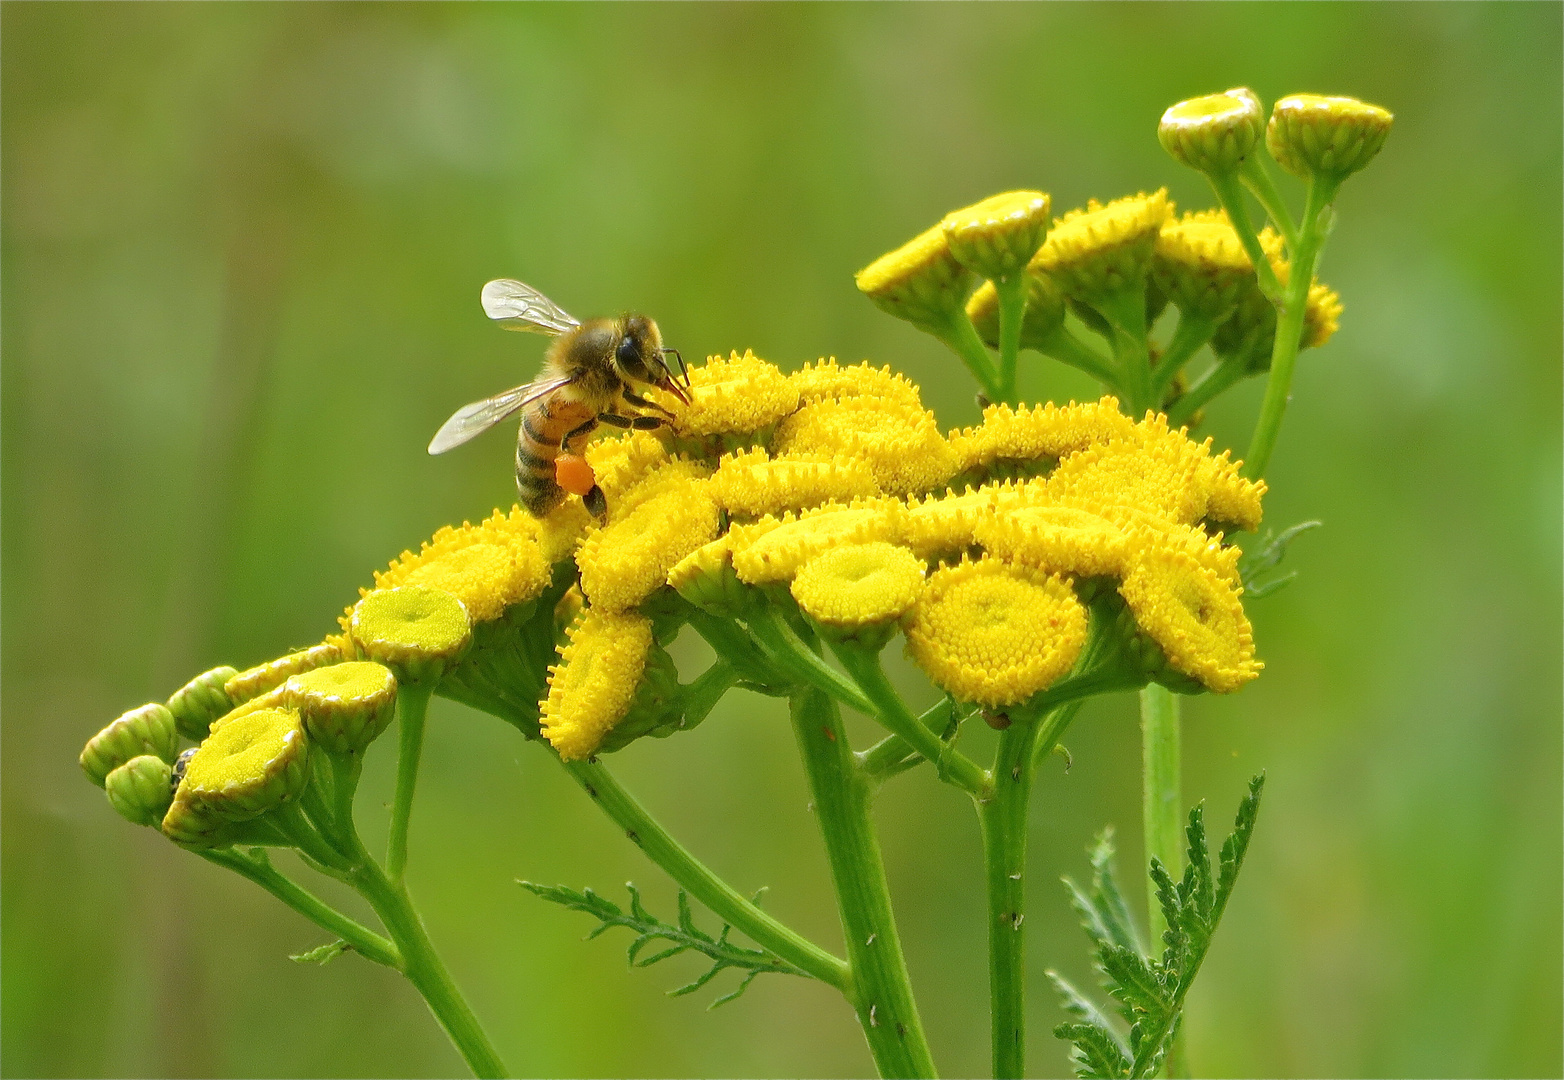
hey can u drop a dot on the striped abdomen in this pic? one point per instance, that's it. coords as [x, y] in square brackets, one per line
[543, 427]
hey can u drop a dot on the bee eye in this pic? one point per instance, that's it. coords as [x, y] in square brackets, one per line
[628, 354]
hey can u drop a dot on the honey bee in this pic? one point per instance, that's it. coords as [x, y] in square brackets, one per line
[589, 377]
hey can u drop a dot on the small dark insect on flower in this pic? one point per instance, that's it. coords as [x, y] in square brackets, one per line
[181, 763]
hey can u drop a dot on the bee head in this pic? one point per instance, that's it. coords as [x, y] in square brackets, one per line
[640, 356]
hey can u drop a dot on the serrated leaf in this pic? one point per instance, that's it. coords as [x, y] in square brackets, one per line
[1266, 554]
[322, 954]
[681, 938]
[1202, 887]
[1232, 858]
[1133, 976]
[1107, 897]
[1095, 1054]
[1083, 1008]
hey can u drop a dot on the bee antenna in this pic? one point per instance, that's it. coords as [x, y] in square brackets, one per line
[683, 371]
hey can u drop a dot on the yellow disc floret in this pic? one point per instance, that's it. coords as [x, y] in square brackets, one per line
[1333, 137]
[997, 237]
[344, 707]
[900, 443]
[995, 634]
[772, 550]
[1214, 133]
[827, 379]
[1201, 266]
[1196, 617]
[418, 632]
[859, 584]
[247, 767]
[752, 483]
[741, 394]
[665, 519]
[1039, 432]
[592, 687]
[487, 567]
[1097, 251]
[1058, 539]
[921, 281]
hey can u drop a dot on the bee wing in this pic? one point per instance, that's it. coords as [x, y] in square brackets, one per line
[516, 306]
[473, 420]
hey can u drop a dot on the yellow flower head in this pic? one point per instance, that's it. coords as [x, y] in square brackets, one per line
[900, 443]
[772, 550]
[1040, 433]
[417, 631]
[488, 567]
[826, 378]
[1332, 137]
[1195, 616]
[622, 464]
[344, 707]
[1057, 539]
[947, 524]
[1214, 133]
[1160, 477]
[739, 395]
[1201, 266]
[997, 237]
[995, 634]
[242, 770]
[1147, 531]
[1321, 316]
[654, 526]
[751, 483]
[1044, 312]
[592, 687]
[859, 584]
[921, 281]
[257, 680]
[705, 577]
[1097, 251]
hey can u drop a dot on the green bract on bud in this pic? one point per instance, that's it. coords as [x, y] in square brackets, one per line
[705, 578]
[418, 632]
[1044, 313]
[141, 790]
[997, 237]
[345, 707]
[657, 708]
[1331, 137]
[921, 281]
[1214, 133]
[147, 730]
[268, 676]
[200, 701]
[250, 765]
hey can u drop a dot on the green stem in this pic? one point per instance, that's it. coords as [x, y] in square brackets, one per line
[880, 992]
[1161, 800]
[1289, 324]
[1212, 383]
[412, 705]
[1257, 178]
[1193, 331]
[864, 666]
[789, 652]
[697, 880]
[1231, 195]
[1003, 821]
[893, 755]
[422, 966]
[962, 338]
[1063, 345]
[729, 641]
[1125, 311]
[1012, 310]
[258, 868]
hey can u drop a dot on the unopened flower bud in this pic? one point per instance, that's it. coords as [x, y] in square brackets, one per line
[706, 578]
[147, 730]
[657, 708]
[200, 701]
[1332, 137]
[345, 707]
[248, 766]
[418, 632]
[1214, 133]
[921, 281]
[997, 237]
[140, 790]
[261, 678]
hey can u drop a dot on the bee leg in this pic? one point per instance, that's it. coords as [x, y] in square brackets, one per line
[580, 430]
[596, 502]
[615, 420]
[648, 423]
[640, 402]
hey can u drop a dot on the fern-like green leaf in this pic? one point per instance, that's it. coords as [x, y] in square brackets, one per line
[679, 937]
[1265, 555]
[1096, 1055]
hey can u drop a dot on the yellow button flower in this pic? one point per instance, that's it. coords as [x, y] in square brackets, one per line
[742, 394]
[827, 379]
[1039, 432]
[1214, 133]
[418, 632]
[261, 678]
[655, 526]
[995, 634]
[147, 730]
[901, 444]
[752, 483]
[1333, 137]
[1195, 616]
[200, 701]
[859, 584]
[921, 281]
[946, 525]
[997, 237]
[1201, 266]
[774, 550]
[1161, 478]
[1097, 251]
[1058, 539]
[242, 770]
[141, 790]
[592, 688]
[488, 567]
[344, 707]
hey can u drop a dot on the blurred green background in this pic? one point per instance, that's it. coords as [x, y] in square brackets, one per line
[242, 248]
